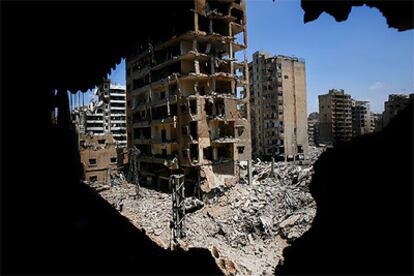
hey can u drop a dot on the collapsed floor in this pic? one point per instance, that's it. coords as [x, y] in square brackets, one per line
[246, 227]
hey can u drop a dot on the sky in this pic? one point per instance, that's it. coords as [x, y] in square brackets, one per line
[361, 55]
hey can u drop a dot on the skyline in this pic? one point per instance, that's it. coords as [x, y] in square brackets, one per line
[364, 69]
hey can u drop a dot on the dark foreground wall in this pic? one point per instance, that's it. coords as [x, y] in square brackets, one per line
[364, 195]
[51, 224]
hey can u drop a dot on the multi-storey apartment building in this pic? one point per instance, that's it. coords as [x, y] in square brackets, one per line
[313, 128]
[395, 103]
[188, 99]
[362, 120]
[105, 116]
[335, 117]
[278, 105]
[377, 121]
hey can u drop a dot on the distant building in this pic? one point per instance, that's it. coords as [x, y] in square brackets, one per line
[377, 121]
[107, 115]
[335, 117]
[278, 105]
[395, 103]
[313, 128]
[362, 121]
[98, 157]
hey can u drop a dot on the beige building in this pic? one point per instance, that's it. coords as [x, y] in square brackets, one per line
[278, 105]
[187, 99]
[362, 118]
[313, 128]
[335, 117]
[98, 157]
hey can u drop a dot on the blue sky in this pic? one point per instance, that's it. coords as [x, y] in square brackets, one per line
[361, 55]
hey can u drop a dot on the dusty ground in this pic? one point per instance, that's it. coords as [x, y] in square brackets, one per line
[246, 228]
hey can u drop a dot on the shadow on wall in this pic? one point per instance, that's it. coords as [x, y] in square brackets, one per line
[364, 195]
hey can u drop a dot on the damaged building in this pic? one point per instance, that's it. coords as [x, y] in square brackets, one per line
[98, 155]
[278, 106]
[104, 115]
[188, 99]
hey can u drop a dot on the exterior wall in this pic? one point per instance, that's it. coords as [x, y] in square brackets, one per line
[335, 115]
[278, 105]
[325, 119]
[361, 118]
[395, 103]
[294, 106]
[378, 121]
[98, 157]
[188, 99]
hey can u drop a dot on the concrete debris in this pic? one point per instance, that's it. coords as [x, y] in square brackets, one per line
[192, 204]
[246, 227]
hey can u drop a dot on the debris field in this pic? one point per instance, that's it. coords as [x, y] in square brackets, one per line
[246, 227]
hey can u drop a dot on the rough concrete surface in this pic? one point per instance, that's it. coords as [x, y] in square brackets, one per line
[246, 227]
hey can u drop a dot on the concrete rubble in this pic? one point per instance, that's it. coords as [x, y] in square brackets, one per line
[246, 227]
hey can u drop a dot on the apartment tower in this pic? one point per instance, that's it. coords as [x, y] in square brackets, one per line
[188, 99]
[362, 119]
[335, 117]
[278, 105]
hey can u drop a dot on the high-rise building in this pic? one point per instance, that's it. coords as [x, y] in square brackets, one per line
[313, 128]
[278, 105]
[362, 120]
[395, 103]
[188, 99]
[377, 121]
[335, 117]
[105, 116]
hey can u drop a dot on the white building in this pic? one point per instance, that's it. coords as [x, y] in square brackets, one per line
[106, 115]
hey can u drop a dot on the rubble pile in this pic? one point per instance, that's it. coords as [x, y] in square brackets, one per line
[246, 227]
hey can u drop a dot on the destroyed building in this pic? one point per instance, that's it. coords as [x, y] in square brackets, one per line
[278, 105]
[335, 117]
[362, 120]
[98, 155]
[188, 98]
[106, 115]
[395, 103]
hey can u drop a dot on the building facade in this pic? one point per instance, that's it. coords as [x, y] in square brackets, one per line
[188, 99]
[395, 103]
[378, 121]
[98, 155]
[278, 105]
[362, 120]
[313, 129]
[107, 115]
[335, 117]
